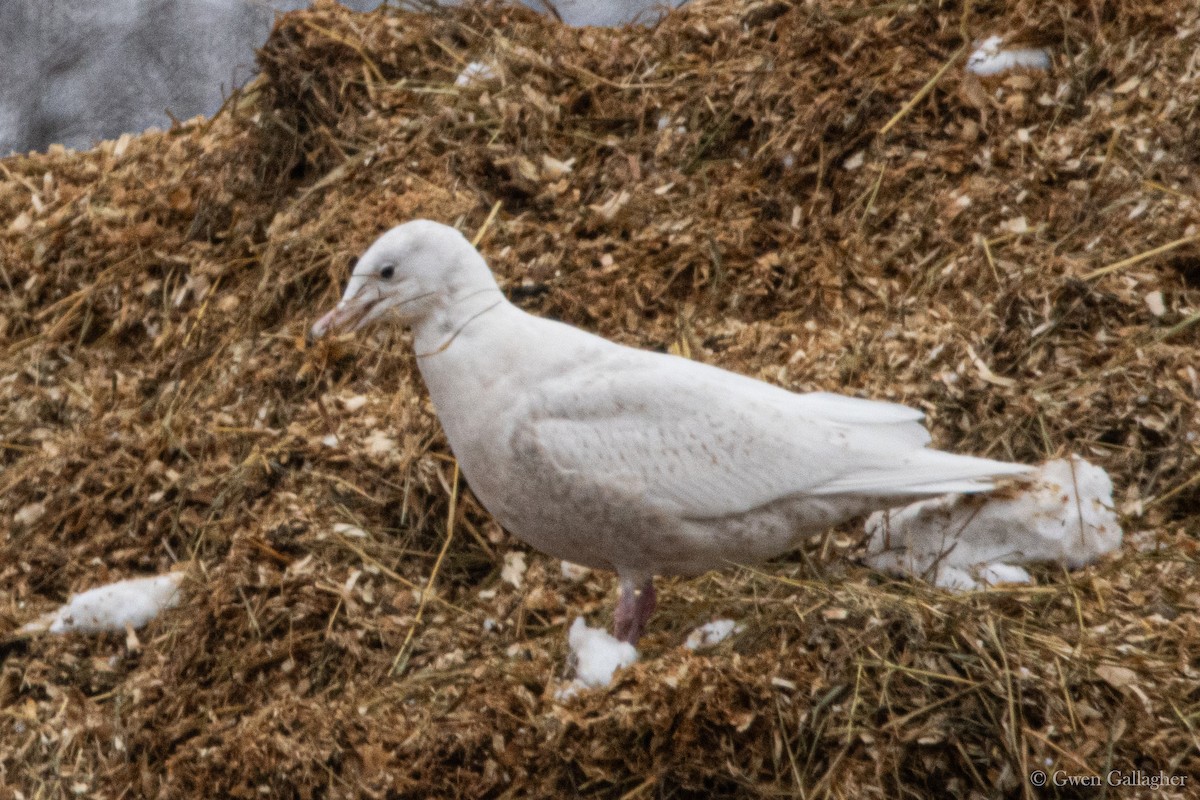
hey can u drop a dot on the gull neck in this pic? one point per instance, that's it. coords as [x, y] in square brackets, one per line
[450, 322]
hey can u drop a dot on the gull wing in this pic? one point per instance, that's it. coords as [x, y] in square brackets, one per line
[696, 441]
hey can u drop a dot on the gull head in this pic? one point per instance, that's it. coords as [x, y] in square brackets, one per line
[407, 275]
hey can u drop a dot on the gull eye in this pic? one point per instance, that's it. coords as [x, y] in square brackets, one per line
[387, 272]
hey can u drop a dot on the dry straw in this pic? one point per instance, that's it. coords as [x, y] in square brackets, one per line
[716, 185]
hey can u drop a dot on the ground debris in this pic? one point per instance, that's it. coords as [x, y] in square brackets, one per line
[783, 189]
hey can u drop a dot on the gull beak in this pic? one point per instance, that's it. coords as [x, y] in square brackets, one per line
[348, 315]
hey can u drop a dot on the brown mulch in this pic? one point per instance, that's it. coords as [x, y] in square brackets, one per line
[750, 184]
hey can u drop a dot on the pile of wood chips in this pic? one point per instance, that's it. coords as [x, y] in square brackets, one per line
[813, 193]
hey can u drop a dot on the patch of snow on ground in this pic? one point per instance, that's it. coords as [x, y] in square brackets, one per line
[597, 656]
[711, 634]
[574, 572]
[475, 72]
[29, 514]
[989, 58]
[111, 607]
[513, 571]
[1064, 514]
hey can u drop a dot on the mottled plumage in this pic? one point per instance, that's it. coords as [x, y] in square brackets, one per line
[639, 462]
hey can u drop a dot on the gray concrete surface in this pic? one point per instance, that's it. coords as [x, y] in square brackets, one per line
[77, 71]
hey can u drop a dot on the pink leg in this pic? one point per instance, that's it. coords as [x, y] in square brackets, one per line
[634, 609]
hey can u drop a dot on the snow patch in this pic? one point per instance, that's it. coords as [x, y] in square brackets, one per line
[574, 572]
[1063, 514]
[379, 444]
[597, 655]
[475, 72]
[29, 514]
[111, 607]
[513, 571]
[989, 58]
[354, 403]
[711, 634]
[349, 530]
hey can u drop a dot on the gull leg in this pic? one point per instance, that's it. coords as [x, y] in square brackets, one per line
[634, 608]
[647, 601]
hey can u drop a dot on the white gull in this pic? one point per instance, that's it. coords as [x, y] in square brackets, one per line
[633, 461]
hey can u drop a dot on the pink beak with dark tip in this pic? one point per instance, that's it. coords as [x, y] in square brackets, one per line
[348, 315]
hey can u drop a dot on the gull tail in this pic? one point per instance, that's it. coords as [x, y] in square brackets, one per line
[925, 473]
